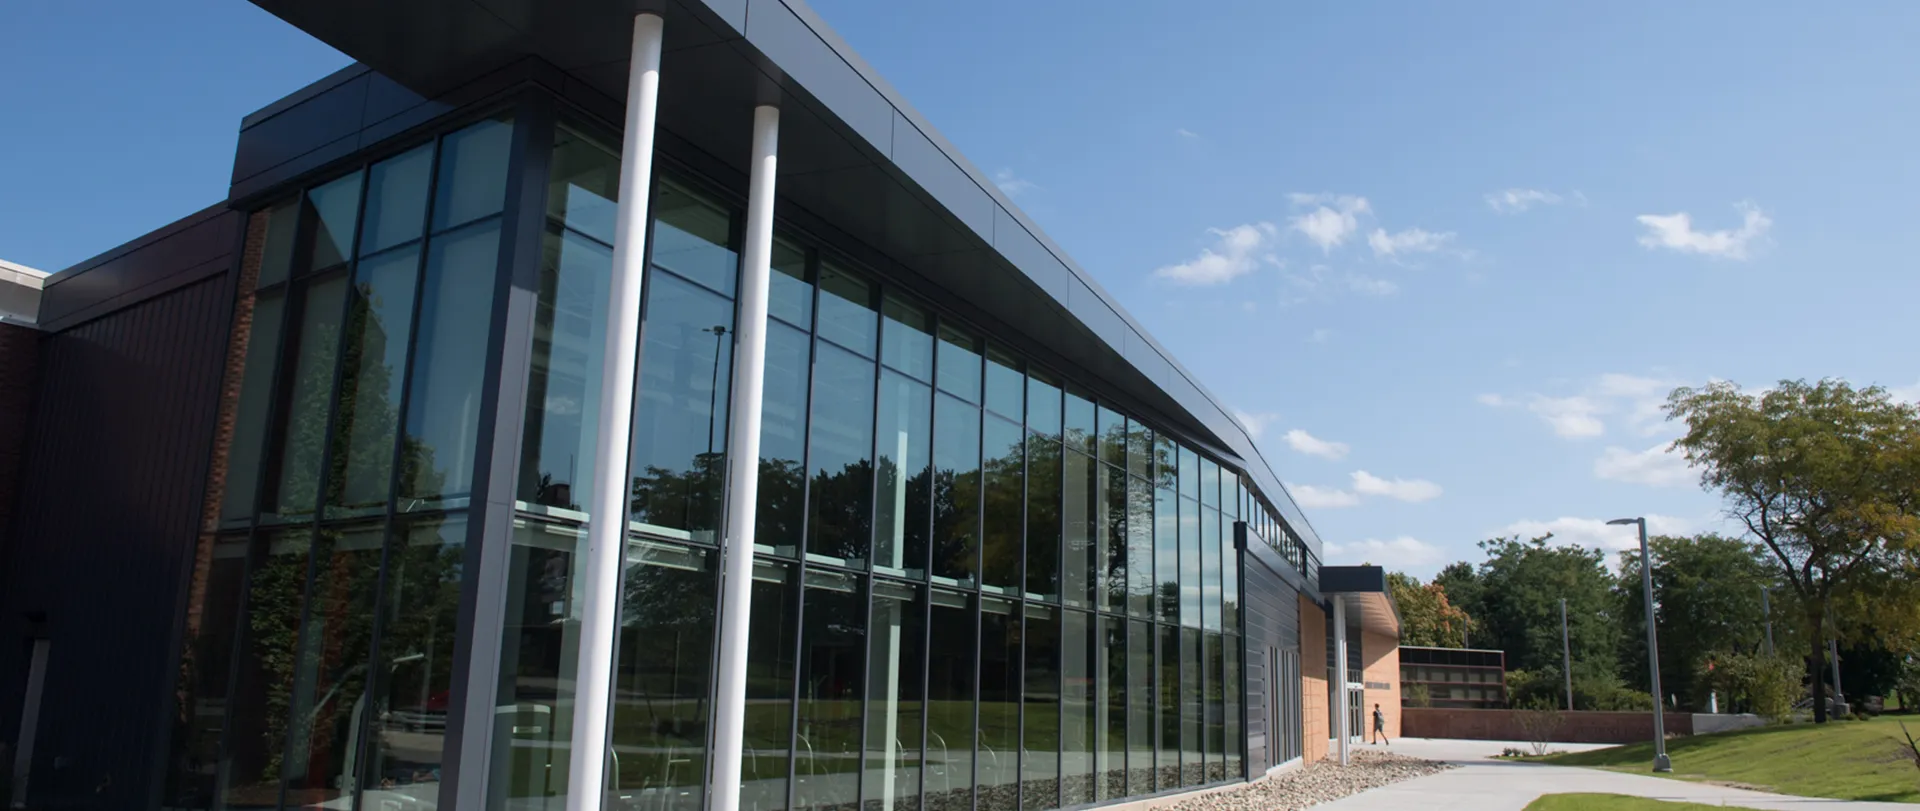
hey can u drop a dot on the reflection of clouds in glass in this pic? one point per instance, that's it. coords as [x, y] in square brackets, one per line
[568, 406]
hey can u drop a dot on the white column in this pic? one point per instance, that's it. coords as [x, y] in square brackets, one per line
[1340, 712]
[743, 465]
[606, 532]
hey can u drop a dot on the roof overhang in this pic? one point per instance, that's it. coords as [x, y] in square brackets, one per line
[1363, 589]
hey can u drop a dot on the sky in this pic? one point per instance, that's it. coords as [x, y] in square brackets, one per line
[1445, 260]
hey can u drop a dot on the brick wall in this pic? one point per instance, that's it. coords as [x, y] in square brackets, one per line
[19, 364]
[1504, 725]
[1313, 681]
[1381, 665]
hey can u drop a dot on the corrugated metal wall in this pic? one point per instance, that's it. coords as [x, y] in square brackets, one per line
[1273, 621]
[115, 473]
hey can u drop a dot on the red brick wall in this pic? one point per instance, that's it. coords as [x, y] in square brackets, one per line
[1381, 665]
[1313, 681]
[19, 363]
[1504, 725]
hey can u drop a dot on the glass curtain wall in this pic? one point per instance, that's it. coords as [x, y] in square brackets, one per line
[320, 670]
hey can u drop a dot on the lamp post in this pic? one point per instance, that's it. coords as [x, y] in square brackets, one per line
[1566, 653]
[1660, 761]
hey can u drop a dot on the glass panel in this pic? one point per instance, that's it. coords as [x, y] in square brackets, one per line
[832, 653]
[1040, 742]
[1209, 483]
[251, 410]
[1234, 691]
[558, 449]
[309, 393]
[1229, 580]
[263, 678]
[959, 364]
[331, 213]
[769, 721]
[1140, 715]
[1140, 449]
[1168, 657]
[950, 682]
[1110, 709]
[473, 174]
[396, 200]
[276, 253]
[1079, 659]
[999, 758]
[206, 660]
[1043, 404]
[1081, 508]
[907, 341]
[1110, 526]
[1189, 473]
[1166, 553]
[846, 309]
[840, 511]
[583, 185]
[661, 682]
[1079, 429]
[373, 367]
[1209, 543]
[330, 674]
[1043, 519]
[413, 679]
[790, 289]
[1192, 705]
[1140, 548]
[1006, 386]
[1215, 662]
[693, 237]
[902, 491]
[1112, 432]
[895, 641]
[783, 442]
[956, 489]
[449, 364]
[1005, 494]
[1164, 461]
[680, 421]
[539, 649]
[1236, 493]
[1190, 580]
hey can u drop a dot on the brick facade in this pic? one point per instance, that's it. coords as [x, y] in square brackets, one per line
[1504, 725]
[1380, 660]
[1313, 681]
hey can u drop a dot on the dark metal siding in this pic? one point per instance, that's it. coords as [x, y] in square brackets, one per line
[1273, 621]
[108, 513]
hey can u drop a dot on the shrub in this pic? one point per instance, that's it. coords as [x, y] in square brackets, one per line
[1767, 684]
[1419, 696]
[1541, 722]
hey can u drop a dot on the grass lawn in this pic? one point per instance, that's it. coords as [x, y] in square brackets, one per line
[1847, 760]
[1611, 802]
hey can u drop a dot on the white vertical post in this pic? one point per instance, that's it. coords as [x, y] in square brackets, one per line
[606, 531]
[743, 465]
[1341, 713]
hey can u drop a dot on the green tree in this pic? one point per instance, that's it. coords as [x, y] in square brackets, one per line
[1463, 587]
[1520, 586]
[1427, 618]
[1706, 591]
[1827, 478]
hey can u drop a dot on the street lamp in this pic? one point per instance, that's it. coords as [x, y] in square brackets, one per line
[1660, 761]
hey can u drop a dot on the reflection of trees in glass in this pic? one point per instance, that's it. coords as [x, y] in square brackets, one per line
[841, 512]
[661, 689]
[689, 499]
[365, 418]
[1005, 505]
[782, 504]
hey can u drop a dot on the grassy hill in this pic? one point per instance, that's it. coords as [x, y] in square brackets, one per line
[1847, 760]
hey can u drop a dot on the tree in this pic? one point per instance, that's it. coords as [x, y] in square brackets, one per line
[1520, 586]
[1707, 591]
[1427, 618]
[1827, 478]
[1462, 585]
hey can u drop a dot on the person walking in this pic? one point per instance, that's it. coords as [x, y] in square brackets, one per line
[1380, 726]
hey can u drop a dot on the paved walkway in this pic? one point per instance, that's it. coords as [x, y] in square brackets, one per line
[1487, 785]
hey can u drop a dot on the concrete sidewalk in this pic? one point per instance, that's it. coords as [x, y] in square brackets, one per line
[1480, 784]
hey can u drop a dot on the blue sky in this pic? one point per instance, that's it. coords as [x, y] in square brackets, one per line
[1446, 258]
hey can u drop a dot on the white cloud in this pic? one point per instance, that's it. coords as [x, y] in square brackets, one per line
[1515, 201]
[1490, 399]
[1571, 417]
[1321, 498]
[1011, 184]
[1235, 253]
[1319, 336]
[1905, 394]
[1402, 552]
[1595, 533]
[1675, 232]
[1413, 490]
[1333, 219]
[1371, 286]
[1658, 466]
[1255, 422]
[1311, 445]
[1637, 401]
[1412, 240]
[1185, 133]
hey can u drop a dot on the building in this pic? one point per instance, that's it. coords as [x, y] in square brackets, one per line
[1454, 678]
[306, 512]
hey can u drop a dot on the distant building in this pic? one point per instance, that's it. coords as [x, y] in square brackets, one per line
[1455, 678]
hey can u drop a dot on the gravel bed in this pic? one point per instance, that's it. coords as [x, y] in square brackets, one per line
[1321, 782]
